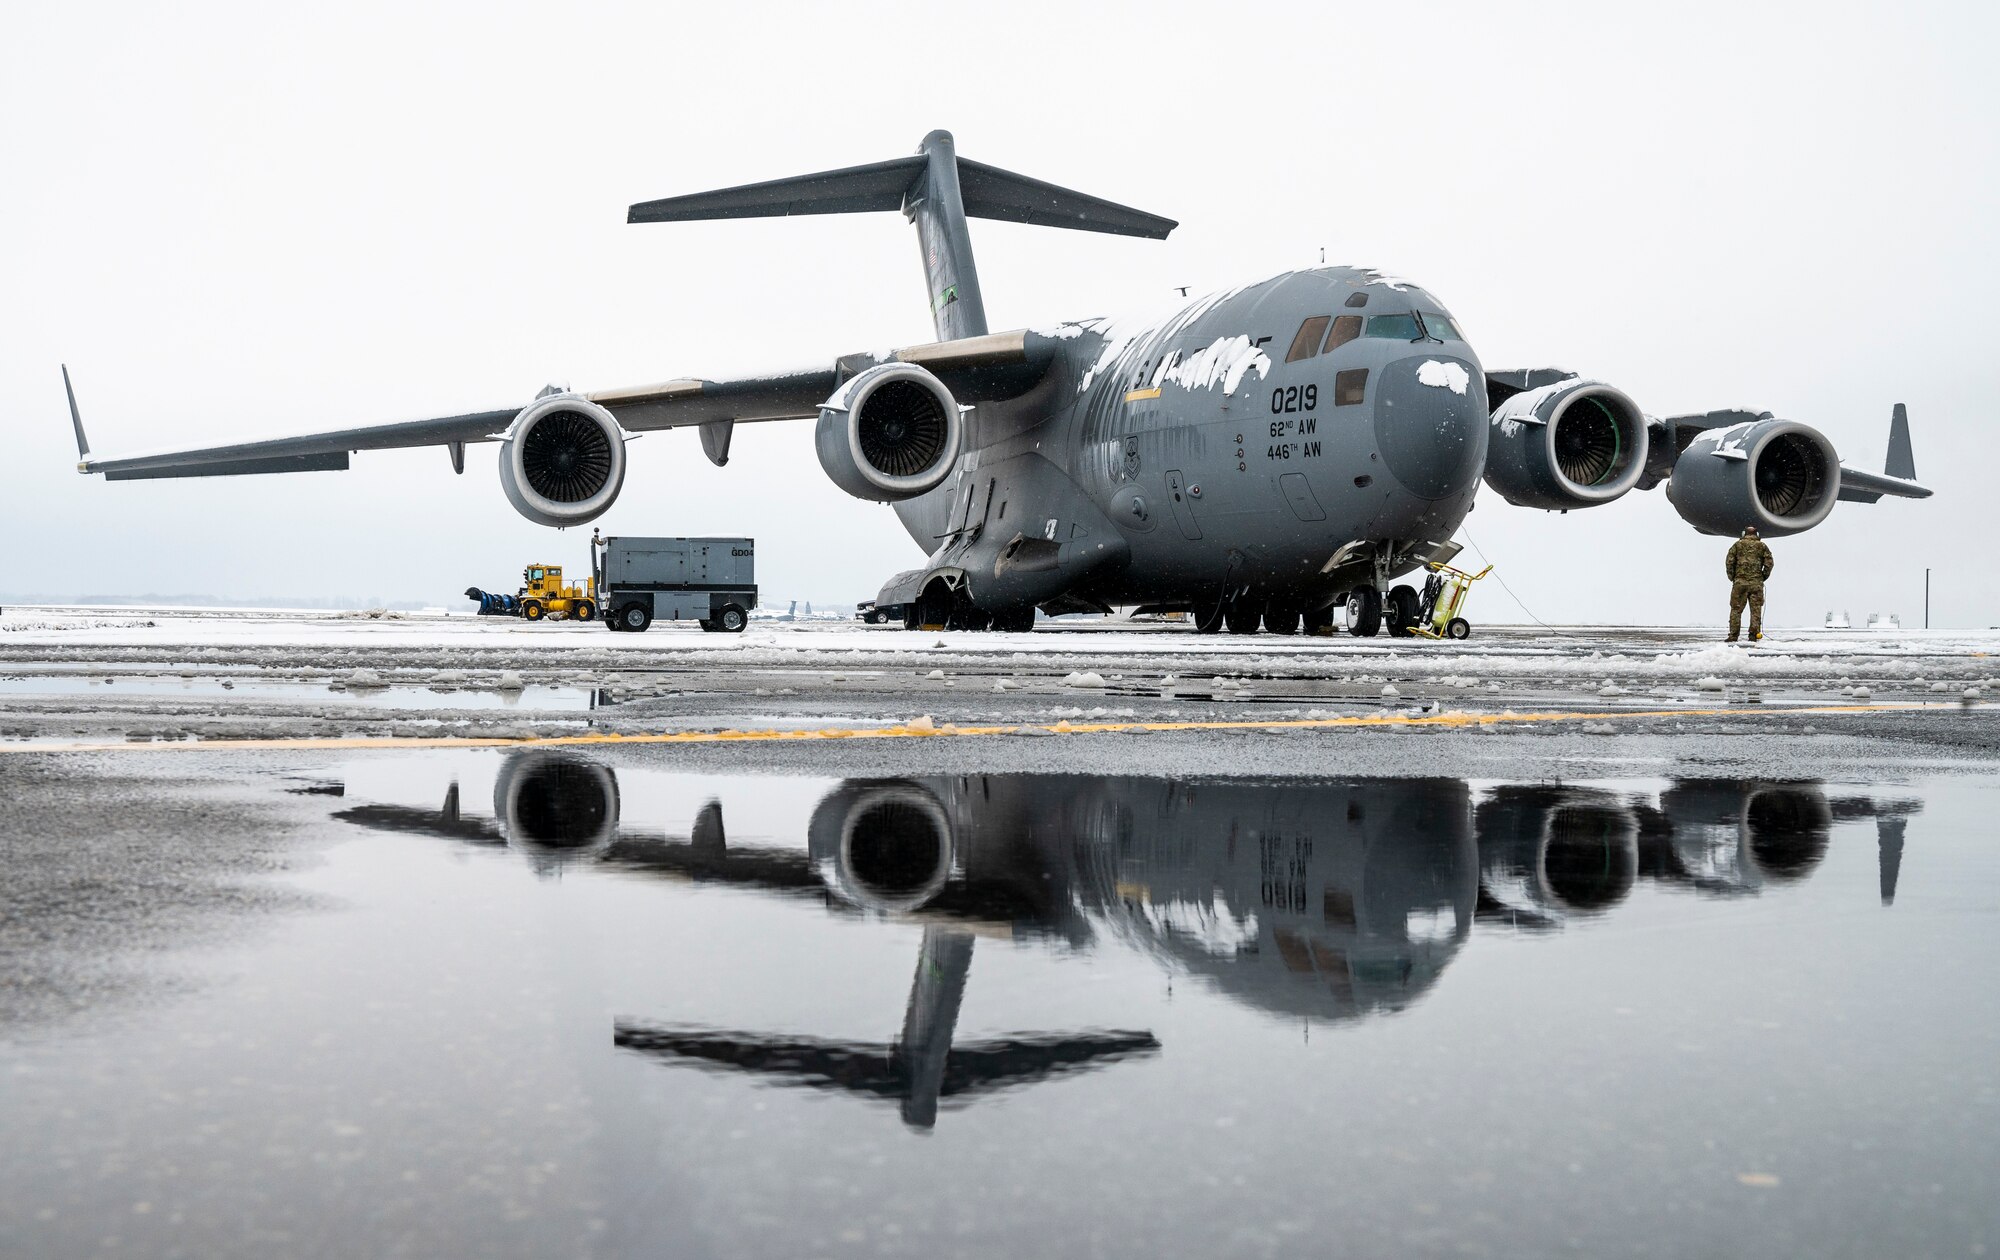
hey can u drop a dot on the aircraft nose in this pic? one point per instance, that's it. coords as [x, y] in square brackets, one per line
[1431, 423]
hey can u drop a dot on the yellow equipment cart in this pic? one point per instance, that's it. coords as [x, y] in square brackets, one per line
[1444, 595]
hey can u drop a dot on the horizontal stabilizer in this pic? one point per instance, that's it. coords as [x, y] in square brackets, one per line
[991, 193]
[849, 190]
[988, 193]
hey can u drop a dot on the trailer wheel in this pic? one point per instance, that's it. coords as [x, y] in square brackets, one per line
[1458, 628]
[732, 619]
[634, 617]
[583, 610]
[532, 609]
[707, 626]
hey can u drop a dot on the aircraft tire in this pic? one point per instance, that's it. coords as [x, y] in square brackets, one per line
[1280, 618]
[1364, 612]
[1210, 621]
[1243, 616]
[1319, 620]
[1015, 621]
[1400, 612]
[1458, 628]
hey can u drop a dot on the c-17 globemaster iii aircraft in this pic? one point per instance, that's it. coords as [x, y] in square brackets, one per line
[1259, 457]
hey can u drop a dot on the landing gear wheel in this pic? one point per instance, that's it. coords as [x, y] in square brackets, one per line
[1281, 618]
[732, 619]
[1400, 611]
[1319, 620]
[532, 609]
[910, 621]
[583, 610]
[1364, 612]
[1458, 628]
[634, 618]
[1018, 621]
[1208, 620]
[1243, 615]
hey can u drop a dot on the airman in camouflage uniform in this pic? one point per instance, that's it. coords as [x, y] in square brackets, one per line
[1747, 564]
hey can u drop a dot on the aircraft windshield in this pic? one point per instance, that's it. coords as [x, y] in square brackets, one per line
[1442, 327]
[1394, 327]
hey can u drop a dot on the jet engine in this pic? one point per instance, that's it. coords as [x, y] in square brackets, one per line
[1734, 837]
[563, 460]
[1552, 853]
[891, 433]
[556, 807]
[1778, 475]
[1574, 443]
[883, 845]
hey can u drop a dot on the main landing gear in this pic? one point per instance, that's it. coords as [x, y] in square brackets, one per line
[1368, 612]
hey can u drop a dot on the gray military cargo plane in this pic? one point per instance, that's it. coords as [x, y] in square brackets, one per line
[1259, 457]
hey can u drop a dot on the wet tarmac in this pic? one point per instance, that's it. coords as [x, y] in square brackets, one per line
[648, 1001]
[1088, 943]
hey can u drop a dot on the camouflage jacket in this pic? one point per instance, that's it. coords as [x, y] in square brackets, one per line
[1749, 560]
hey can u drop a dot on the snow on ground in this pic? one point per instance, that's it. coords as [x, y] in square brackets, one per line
[428, 643]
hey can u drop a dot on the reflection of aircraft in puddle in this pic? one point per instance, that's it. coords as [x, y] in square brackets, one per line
[1303, 898]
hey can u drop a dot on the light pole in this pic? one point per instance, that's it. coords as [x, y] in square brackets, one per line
[1927, 599]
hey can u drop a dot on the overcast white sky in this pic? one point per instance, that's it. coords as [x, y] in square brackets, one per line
[235, 221]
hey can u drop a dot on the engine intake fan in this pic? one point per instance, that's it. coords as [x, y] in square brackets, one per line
[563, 461]
[1571, 444]
[891, 433]
[1779, 475]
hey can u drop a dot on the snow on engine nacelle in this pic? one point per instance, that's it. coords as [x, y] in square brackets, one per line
[1779, 475]
[893, 432]
[563, 460]
[1574, 443]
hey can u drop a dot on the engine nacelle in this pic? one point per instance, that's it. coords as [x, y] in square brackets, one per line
[891, 433]
[556, 807]
[884, 845]
[1555, 853]
[563, 461]
[1778, 475]
[1571, 444]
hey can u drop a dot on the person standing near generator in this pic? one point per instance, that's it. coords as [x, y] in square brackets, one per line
[1747, 564]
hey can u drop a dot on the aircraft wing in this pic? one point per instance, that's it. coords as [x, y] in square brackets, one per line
[976, 369]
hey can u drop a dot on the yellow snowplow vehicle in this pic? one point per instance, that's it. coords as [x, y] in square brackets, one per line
[544, 595]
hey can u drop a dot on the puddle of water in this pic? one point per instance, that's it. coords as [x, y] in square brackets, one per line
[390, 697]
[552, 998]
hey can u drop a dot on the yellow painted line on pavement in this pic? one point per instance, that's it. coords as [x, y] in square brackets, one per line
[927, 730]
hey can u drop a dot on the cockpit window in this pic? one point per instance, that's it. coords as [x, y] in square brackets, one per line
[1345, 329]
[1306, 344]
[1441, 327]
[1394, 327]
[1357, 299]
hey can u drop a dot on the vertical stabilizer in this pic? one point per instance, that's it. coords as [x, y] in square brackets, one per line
[936, 205]
[1900, 462]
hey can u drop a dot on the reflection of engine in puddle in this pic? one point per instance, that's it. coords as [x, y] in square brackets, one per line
[556, 807]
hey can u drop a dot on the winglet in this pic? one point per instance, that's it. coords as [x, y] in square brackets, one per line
[1899, 462]
[76, 422]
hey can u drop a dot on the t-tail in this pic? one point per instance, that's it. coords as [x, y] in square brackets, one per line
[935, 189]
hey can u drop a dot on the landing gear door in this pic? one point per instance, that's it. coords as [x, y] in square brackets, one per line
[1177, 494]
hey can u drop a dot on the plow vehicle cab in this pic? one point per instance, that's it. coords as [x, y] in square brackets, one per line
[544, 595]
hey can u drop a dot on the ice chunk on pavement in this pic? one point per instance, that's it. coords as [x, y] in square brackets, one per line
[936, 673]
[921, 725]
[510, 680]
[364, 678]
[1389, 691]
[1710, 683]
[1085, 679]
[1006, 684]
[1599, 728]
